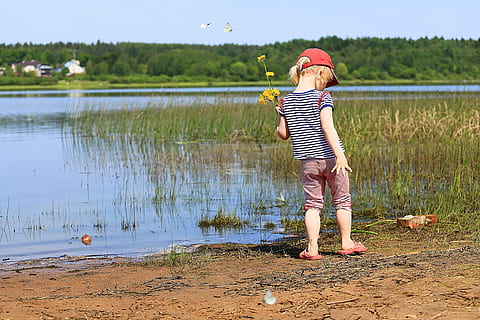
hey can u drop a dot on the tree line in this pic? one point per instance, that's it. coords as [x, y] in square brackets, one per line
[361, 58]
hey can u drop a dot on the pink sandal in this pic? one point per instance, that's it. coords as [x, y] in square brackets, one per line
[357, 248]
[305, 256]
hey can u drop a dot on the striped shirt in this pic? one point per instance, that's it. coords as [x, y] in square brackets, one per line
[302, 112]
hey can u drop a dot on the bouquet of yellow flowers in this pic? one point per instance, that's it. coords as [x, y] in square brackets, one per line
[271, 94]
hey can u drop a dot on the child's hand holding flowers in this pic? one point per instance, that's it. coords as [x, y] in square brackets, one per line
[271, 94]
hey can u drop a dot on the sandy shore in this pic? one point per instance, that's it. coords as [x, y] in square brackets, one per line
[406, 274]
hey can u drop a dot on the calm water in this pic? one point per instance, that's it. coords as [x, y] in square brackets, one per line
[56, 186]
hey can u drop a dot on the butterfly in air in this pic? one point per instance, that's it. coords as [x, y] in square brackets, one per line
[228, 28]
[205, 25]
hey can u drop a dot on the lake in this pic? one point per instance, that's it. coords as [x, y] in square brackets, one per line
[56, 186]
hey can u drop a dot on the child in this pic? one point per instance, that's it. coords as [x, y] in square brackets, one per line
[305, 116]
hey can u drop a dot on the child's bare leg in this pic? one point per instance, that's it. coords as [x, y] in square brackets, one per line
[344, 223]
[312, 228]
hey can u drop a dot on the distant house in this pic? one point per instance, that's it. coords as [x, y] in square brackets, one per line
[41, 70]
[2, 71]
[73, 67]
[44, 70]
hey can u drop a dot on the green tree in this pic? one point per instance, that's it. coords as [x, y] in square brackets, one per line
[123, 66]
[155, 66]
[239, 70]
[142, 68]
[100, 68]
[366, 58]
[341, 70]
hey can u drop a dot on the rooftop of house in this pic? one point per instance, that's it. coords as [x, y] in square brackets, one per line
[28, 63]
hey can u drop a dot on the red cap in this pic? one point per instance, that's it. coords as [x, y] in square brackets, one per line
[319, 57]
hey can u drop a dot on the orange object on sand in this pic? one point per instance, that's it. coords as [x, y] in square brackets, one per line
[417, 221]
[86, 239]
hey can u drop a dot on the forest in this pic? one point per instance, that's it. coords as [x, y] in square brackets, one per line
[355, 59]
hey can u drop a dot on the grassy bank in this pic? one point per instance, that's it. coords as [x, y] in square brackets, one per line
[411, 154]
[126, 84]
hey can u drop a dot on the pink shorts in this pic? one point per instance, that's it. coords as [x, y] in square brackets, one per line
[316, 173]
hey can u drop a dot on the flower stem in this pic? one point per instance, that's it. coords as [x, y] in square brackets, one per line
[268, 78]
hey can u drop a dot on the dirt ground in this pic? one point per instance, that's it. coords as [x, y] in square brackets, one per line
[406, 274]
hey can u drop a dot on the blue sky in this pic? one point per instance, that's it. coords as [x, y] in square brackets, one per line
[253, 22]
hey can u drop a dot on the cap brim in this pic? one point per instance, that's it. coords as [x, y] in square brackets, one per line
[334, 81]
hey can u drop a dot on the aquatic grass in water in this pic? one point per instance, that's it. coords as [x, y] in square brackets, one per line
[190, 181]
[222, 221]
[410, 156]
[224, 121]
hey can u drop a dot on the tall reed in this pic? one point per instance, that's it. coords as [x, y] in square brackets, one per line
[411, 153]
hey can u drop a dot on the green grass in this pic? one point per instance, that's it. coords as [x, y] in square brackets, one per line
[222, 221]
[225, 122]
[177, 257]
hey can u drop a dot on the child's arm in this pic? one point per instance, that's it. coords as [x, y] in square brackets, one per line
[326, 119]
[282, 128]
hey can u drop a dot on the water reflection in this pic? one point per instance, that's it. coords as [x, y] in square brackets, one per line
[195, 179]
[132, 197]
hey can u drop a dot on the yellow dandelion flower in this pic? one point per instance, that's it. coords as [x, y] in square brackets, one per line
[262, 100]
[270, 94]
[261, 58]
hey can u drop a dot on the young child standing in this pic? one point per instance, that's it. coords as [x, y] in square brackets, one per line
[306, 116]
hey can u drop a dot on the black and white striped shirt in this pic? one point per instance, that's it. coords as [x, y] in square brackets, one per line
[302, 112]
